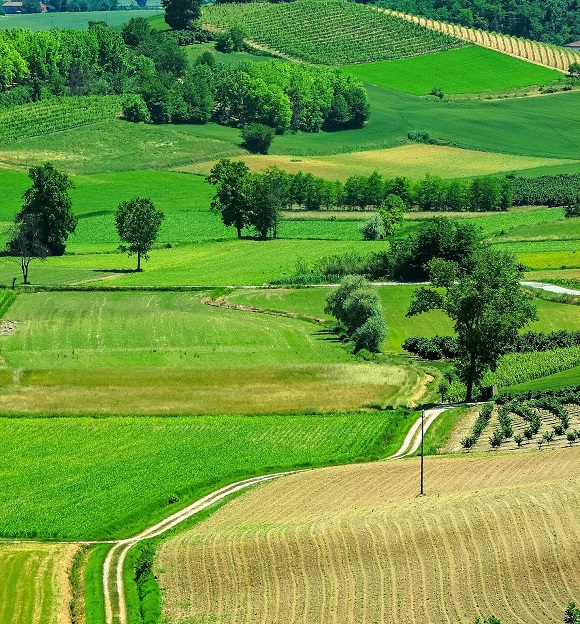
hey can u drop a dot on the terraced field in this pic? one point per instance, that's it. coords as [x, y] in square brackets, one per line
[35, 586]
[354, 544]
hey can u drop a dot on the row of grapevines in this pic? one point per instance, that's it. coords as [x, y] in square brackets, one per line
[516, 368]
[46, 116]
[329, 32]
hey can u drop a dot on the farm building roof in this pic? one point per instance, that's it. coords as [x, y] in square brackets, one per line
[574, 44]
[12, 4]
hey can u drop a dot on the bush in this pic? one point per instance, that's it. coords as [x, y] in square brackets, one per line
[373, 228]
[257, 138]
[572, 210]
[371, 334]
[135, 109]
[225, 43]
[437, 92]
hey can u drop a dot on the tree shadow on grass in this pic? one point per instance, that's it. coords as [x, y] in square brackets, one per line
[115, 271]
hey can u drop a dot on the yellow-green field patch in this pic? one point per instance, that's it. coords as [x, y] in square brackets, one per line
[413, 161]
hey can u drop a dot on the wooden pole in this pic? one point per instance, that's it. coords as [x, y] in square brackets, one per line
[422, 448]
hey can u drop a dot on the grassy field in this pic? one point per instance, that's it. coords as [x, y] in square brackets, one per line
[396, 300]
[35, 586]
[558, 380]
[112, 476]
[356, 544]
[329, 32]
[472, 69]
[165, 353]
[78, 21]
[414, 161]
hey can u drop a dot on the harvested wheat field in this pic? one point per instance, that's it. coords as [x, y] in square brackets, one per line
[494, 535]
[35, 585]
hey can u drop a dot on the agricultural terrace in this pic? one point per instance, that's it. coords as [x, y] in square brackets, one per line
[35, 582]
[545, 54]
[471, 69]
[87, 353]
[111, 477]
[329, 32]
[355, 544]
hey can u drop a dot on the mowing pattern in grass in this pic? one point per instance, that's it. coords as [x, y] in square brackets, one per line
[472, 69]
[330, 32]
[356, 544]
[35, 587]
[112, 476]
[167, 353]
[47, 116]
[532, 51]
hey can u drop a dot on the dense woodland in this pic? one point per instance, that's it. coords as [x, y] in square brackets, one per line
[553, 21]
[153, 69]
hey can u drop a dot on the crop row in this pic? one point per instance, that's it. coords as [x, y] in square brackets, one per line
[536, 52]
[516, 368]
[556, 190]
[46, 116]
[330, 32]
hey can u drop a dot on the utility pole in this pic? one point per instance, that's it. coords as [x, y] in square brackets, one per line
[422, 448]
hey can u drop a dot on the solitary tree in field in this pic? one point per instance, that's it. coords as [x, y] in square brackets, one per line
[181, 14]
[48, 200]
[487, 304]
[26, 243]
[138, 223]
[232, 179]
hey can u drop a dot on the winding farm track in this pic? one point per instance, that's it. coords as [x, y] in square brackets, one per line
[113, 584]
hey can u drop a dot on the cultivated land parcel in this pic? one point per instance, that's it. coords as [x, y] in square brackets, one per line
[125, 396]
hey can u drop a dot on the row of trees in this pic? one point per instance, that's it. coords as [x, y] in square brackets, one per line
[45, 221]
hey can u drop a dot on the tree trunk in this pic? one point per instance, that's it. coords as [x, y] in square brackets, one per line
[138, 261]
[239, 229]
[25, 272]
[470, 379]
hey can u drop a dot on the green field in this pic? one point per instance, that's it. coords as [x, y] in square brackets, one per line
[111, 476]
[164, 353]
[78, 21]
[32, 588]
[472, 69]
[558, 380]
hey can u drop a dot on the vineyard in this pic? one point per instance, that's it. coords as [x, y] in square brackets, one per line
[329, 32]
[556, 190]
[47, 116]
[536, 52]
[516, 368]
[550, 420]
[356, 545]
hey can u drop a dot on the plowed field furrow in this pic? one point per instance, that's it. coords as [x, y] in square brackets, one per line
[353, 544]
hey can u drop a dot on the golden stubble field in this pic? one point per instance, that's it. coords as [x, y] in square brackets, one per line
[495, 535]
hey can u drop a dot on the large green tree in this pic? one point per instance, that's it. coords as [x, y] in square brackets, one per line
[181, 14]
[486, 304]
[48, 200]
[138, 223]
[232, 197]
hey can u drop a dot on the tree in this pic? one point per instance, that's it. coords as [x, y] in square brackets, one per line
[373, 228]
[231, 198]
[138, 223]
[257, 138]
[181, 14]
[574, 70]
[26, 243]
[267, 196]
[392, 212]
[572, 614]
[49, 201]
[487, 305]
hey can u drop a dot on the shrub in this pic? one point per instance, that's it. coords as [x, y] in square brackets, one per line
[571, 437]
[225, 43]
[257, 137]
[496, 439]
[371, 334]
[437, 92]
[573, 210]
[373, 228]
[518, 439]
[468, 442]
[135, 109]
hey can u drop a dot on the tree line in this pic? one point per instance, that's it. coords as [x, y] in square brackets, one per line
[553, 21]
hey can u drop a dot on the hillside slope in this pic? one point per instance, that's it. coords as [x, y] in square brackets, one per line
[353, 544]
